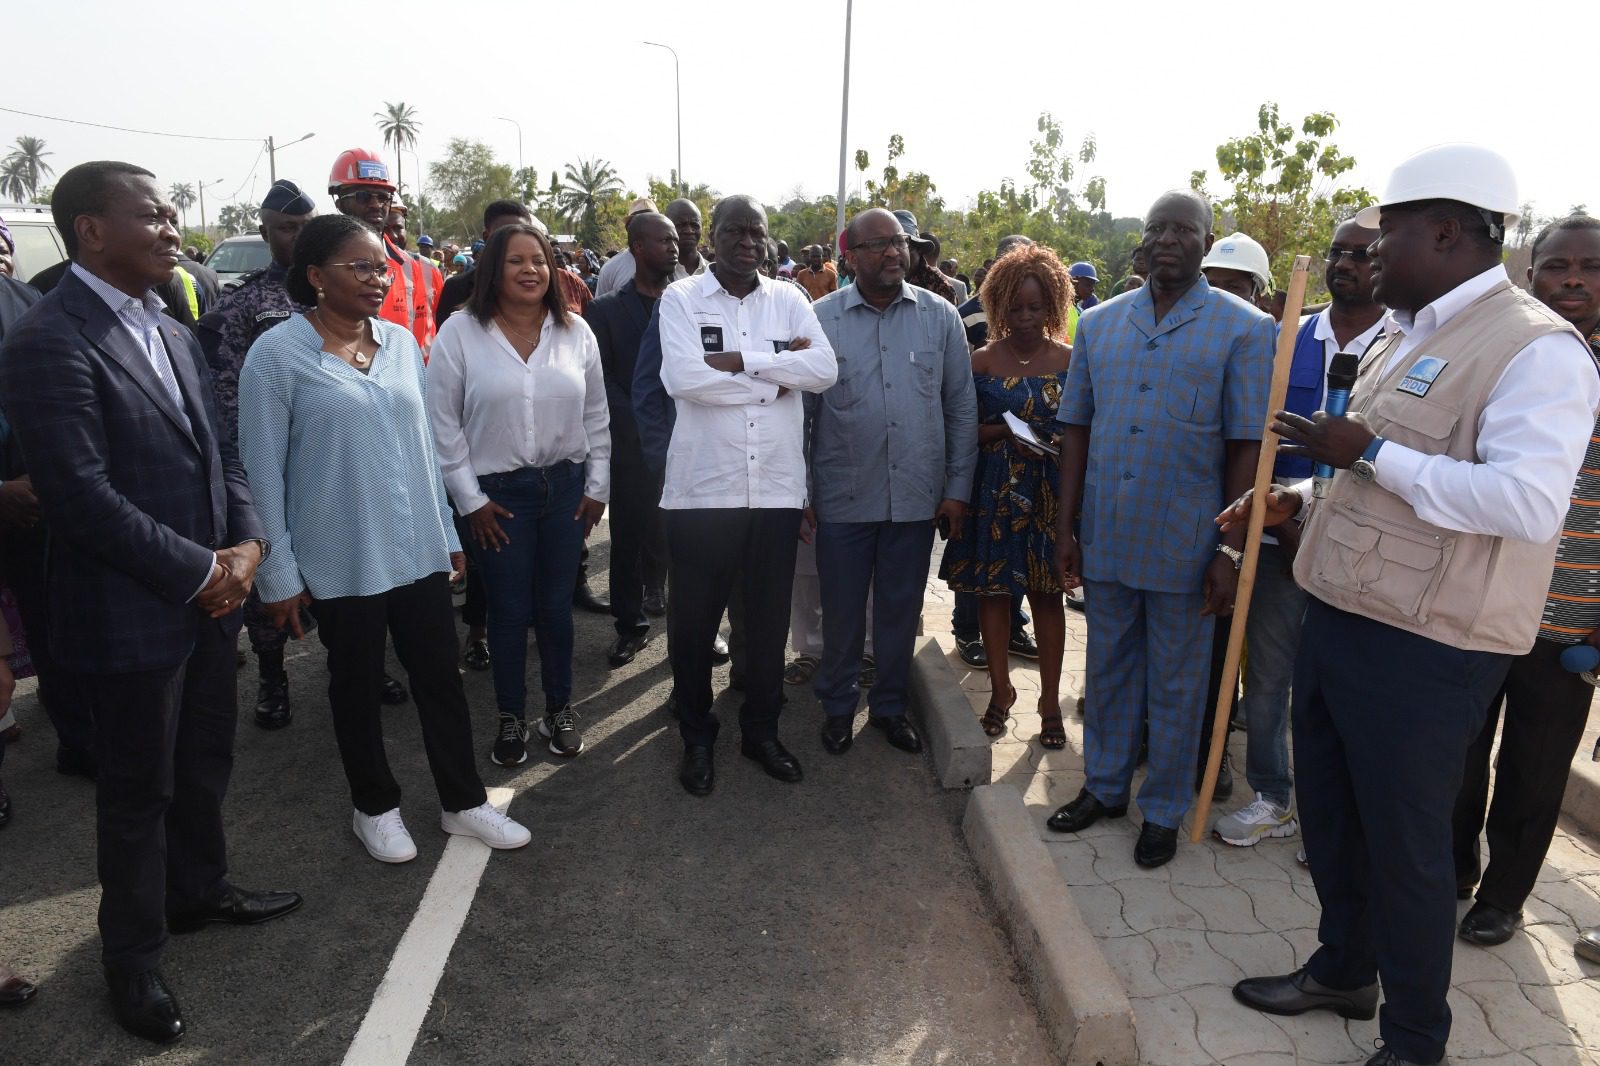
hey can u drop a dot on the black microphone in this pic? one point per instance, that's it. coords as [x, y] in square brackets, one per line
[1341, 379]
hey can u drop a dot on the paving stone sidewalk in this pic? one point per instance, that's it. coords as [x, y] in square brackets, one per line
[1180, 936]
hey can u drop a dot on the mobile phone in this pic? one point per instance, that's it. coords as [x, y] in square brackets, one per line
[944, 527]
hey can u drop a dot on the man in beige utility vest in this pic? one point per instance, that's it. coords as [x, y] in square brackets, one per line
[1426, 558]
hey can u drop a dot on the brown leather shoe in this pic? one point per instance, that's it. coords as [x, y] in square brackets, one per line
[15, 990]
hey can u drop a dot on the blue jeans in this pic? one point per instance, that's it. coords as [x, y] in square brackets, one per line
[1276, 610]
[529, 581]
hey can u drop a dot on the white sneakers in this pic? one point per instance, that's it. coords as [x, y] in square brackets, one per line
[1261, 820]
[386, 839]
[488, 825]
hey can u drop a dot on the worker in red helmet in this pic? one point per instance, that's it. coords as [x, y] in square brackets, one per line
[360, 187]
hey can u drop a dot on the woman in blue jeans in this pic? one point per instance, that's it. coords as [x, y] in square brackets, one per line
[518, 405]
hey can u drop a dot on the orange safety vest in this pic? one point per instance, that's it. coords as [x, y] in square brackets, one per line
[409, 301]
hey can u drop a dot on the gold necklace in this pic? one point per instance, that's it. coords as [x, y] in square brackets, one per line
[352, 350]
[501, 321]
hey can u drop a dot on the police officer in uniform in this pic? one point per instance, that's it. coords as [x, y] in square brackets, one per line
[1426, 562]
[226, 332]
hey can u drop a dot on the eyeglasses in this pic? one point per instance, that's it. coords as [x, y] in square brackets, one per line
[369, 196]
[365, 270]
[879, 245]
[1357, 255]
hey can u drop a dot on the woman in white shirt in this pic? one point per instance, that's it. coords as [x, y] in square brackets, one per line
[520, 420]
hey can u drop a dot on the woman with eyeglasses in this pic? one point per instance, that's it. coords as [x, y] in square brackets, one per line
[334, 435]
[518, 403]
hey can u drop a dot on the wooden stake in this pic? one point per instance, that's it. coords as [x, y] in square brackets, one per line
[1281, 362]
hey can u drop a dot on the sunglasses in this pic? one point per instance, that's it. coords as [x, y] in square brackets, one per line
[1357, 255]
[365, 270]
[369, 196]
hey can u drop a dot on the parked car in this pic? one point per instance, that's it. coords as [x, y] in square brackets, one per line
[238, 256]
[38, 244]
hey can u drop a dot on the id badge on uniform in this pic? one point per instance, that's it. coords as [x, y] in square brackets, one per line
[1423, 373]
[711, 339]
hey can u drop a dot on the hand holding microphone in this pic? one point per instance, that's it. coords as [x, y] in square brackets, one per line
[1342, 373]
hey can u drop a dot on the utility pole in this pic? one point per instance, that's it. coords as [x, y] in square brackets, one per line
[201, 185]
[677, 88]
[844, 117]
[517, 124]
[272, 153]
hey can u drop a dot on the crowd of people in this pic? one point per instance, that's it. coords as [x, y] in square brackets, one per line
[350, 436]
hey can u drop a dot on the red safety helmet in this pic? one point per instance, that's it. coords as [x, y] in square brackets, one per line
[359, 166]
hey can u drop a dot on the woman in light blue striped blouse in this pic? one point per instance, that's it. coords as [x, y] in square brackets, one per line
[335, 440]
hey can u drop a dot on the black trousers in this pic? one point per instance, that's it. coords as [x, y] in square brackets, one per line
[1382, 722]
[164, 742]
[637, 561]
[354, 630]
[708, 550]
[24, 553]
[1546, 709]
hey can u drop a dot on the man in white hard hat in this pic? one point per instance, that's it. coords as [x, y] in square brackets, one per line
[1426, 561]
[1238, 264]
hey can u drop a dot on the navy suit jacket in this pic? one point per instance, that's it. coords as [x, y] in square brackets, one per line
[653, 410]
[618, 320]
[136, 500]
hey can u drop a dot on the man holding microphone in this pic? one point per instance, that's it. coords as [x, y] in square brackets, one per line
[1426, 565]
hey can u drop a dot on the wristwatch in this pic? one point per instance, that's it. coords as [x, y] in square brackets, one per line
[1234, 555]
[1366, 467]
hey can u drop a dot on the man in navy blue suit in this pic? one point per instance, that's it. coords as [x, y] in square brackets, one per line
[155, 544]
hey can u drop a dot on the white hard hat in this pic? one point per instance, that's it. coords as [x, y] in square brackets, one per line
[1237, 251]
[1468, 173]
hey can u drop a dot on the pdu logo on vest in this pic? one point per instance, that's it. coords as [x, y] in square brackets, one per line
[1420, 378]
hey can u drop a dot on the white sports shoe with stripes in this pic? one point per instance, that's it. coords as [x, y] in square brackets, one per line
[1261, 820]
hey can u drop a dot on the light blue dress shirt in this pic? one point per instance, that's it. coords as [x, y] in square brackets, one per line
[342, 465]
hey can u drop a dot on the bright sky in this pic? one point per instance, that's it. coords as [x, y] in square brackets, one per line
[963, 83]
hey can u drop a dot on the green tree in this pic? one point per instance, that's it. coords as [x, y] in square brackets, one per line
[1284, 186]
[237, 219]
[25, 168]
[182, 196]
[583, 189]
[465, 181]
[398, 124]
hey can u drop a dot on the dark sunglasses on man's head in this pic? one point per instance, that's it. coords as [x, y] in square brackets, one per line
[1357, 255]
[367, 196]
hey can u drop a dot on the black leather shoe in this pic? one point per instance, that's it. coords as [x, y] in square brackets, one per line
[1083, 812]
[719, 650]
[5, 806]
[655, 602]
[1156, 847]
[899, 731]
[75, 762]
[588, 601]
[774, 759]
[623, 649]
[697, 774]
[238, 907]
[971, 652]
[145, 1006]
[15, 990]
[394, 693]
[272, 703]
[836, 733]
[1224, 786]
[1298, 992]
[1385, 1057]
[1488, 925]
[1023, 645]
[477, 656]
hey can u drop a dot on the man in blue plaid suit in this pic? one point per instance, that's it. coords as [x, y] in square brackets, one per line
[154, 544]
[1163, 409]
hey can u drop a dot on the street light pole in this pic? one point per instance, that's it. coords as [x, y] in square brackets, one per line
[202, 186]
[844, 118]
[272, 153]
[677, 89]
[514, 122]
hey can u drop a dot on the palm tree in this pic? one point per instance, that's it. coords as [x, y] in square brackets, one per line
[27, 161]
[182, 199]
[398, 124]
[585, 185]
[14, 179]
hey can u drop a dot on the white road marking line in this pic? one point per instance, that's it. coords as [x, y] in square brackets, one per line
[389, 1031]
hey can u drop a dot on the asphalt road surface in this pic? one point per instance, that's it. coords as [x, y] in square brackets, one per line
[838, 921]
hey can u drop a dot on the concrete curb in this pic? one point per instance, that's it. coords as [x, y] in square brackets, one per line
[1081, 1000]
[962, 756]
[1581, 802]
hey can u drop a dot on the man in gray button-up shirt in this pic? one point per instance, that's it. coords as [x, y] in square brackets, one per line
[892, 449]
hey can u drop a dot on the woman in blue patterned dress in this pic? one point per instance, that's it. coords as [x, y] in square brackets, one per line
[1005, 547]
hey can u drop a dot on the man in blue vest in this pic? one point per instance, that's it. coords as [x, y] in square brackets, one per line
[1350, 323]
